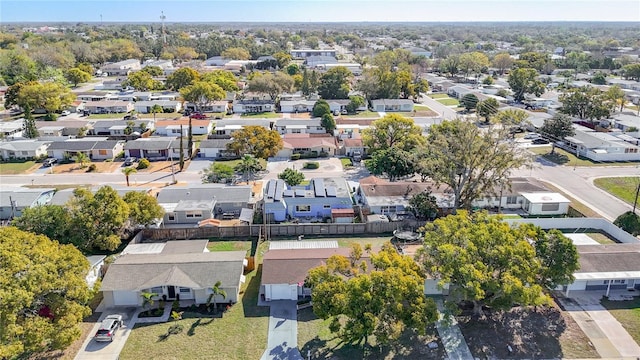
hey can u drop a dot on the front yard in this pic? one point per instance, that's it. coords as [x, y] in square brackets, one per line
[448, 101]
[621, 187]
[266, 115]
[363, 115]
[18, 167]
[74, 168]
[627, 313]
[563, 157]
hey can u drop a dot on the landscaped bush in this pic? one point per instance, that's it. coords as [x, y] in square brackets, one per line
[120, 155]
[92, 168]
[311, 165]
[295, 157]
[143, 164]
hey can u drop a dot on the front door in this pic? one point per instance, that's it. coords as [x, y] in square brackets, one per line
[172, 292]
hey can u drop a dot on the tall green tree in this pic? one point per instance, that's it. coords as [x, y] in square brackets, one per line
[305, 87]
[334, 84]
[502, 62]
[558, 127]
[76, 76]
[50, 96]
[202, 93]
[156, 109]
[49, 220]
[30, 129]
[510, 118]
[257, 141]
[469, 101]
[16, 66]
[328, 123]
[142, 81]
[393, 162]
[215, 291]
[143, 208]
[44, 294]
[320, 108]
[423, 205]
[490, 263]
[473, 162]
[525, 81]
[128, 171]
[181, 150]
[361, 304]
[587, 103]
[271, 84]
[487, 109]
[182, 77]
[291, 177]
[393, 130]
[248, 166]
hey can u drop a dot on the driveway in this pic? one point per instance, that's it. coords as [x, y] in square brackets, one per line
[198, 165]
[329, 167]
[282, 343]
[93, 350]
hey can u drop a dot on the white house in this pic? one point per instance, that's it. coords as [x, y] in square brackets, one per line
[11, 129]
[392, 105]
[545, 203]
[144, 107]
[122, 67]
[299, 126]
[215, 149]
[253, 106]
[600, 146]
[182, 271]
[296, 106]
[23, 149]
[226, 127]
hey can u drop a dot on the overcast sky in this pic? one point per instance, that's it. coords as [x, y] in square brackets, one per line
[319, 10]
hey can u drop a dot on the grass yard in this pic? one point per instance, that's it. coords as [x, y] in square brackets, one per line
[314, 336]
[563, 157]
[16, 168]
[233, 163]
[229, 245]
[266, 115]
[438, 96]
[240, 334]
[376, 241]
[601, 238]
[346, 162]
[363, 115]
[448, 101]
[621, 187]
[582, 208]
[160, 116]
[627, 313]
[107, 116]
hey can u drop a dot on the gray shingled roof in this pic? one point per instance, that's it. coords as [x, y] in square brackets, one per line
[23, 145]
[204, 192]
[214, 143]
[194, 270]
[75, 145]
[152, 143]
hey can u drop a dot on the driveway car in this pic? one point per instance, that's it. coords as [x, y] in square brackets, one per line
[198, 116]
[49, 162]
[65, 113]
[531, 136]
[129, 161]
[108, 328]
[539, 141]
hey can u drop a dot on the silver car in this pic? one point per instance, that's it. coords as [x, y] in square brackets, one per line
[108, 328]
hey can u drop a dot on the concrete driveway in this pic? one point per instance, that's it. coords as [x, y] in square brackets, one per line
[329, 167]
[282, 343]
[93, 350]
[198, 165]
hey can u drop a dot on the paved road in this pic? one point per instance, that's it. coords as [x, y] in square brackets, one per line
[444, 111]
[578, 183]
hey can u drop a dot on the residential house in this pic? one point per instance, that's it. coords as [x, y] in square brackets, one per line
[305, 53]
[107, 149]
[66, 149]
[299, 126]
[355, 68]
[215, 149]
[392, 105]
[600, 146]
[119, 128]
[351, 146]
[459, 91]
[216, 61]
[284, 271]
[221, 106]
[116, 84]
[109, 106]
[92, 96]
[193, 204]
[314, 202]
[176, 273]
[23, 149]
[172, 127]
[13, 201]
[224, 128]
[174, 151]
[96, 264]
[156, 148]
[69, 128]
[76, 106]
[253, 106]
[338, 106]
[122, 68]
[626, 122]
[171, 106]
[296, 106]
[316, 61]
[11, 129]
[624, 84]
[307, 144]
[51, 131]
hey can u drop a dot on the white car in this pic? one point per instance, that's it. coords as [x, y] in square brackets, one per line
[65, 113]
[531, 136]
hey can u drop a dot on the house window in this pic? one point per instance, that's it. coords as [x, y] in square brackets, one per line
[193, 214]
[387, 209]
[550, 207]
[172, 217]
[326, 206]
[185, 290]
[102, 152]
[512, 199]
[303, 208]
[157, 290]
[616, 282]
[295, 131]
[25, 153]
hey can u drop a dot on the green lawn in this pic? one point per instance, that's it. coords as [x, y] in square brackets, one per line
[346, 162]
[438, 96]
[621, 187]
[627, 313]
[563, 157]
[160, 116]
[268, 115]
[448, 102]
[314, 335]
[15, 168]
[240, 334]
[233, 163]
[107, 116]
[363, 115]
[229, 245]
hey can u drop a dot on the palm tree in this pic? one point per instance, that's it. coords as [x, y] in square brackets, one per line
[147, 299]
[128, 171]
[82, 159]
[155, 109]
[215, 291]
[247, 165]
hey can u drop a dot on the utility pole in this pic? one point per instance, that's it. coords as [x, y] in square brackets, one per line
[164, 35]
[635, 202]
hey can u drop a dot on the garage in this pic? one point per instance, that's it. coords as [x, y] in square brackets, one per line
[125, 298]
[281, 292]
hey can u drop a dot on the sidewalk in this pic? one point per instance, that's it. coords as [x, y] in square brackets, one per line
[451, 337]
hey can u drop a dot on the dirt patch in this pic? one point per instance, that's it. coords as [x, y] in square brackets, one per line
[543, 334]
[424, 113]
[162, 166]
[73, 168]
[301, 116]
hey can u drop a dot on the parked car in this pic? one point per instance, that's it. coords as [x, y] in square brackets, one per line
[65, 113]
[108, 328]
[356, 156]
[130, 160]
[130, 117]
[49, 162]
[198, 116]
[531, 136]
[539, 141]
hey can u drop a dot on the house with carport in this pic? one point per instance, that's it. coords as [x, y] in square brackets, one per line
[215, 149]
[151, 148]
[600, 146]
[299, 126]
[253, 106]
[108, 106]
[168, 106]
[172, 127]
[175, 270]
[225, 128]
[296, 106]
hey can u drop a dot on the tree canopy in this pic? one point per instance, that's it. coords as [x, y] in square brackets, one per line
[490, 263]
[334, 84]
[257, 141]
[202, 93]
[143, 208]
[49, 96]
[393, 130]
[44, 294]
[291, 177]
[471, 161]
[558, 127]
[587, 103]
[271, 84]
[392, 162]
[182, 77]
[382, 302]
[525, 81]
